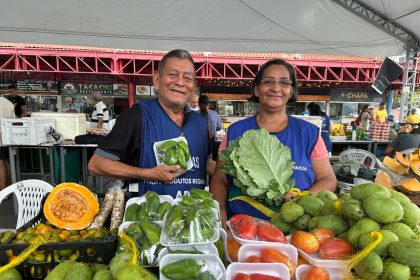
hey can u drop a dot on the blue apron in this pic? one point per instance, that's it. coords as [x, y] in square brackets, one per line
[300, 136]
[156, 126]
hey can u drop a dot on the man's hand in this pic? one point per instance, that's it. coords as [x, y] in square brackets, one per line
[165, 173]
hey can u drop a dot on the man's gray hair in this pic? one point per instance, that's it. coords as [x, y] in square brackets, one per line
[97, 96]
[413, 111]
[178, 53]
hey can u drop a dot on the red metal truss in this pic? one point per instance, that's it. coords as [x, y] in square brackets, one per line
[63, 60]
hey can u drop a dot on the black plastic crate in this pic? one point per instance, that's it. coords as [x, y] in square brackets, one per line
[96, 251]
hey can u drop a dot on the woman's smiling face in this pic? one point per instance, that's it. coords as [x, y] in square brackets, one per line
[275, 88]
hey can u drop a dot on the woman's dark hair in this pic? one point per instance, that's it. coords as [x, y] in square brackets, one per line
[178, 53]
[364, 107]
[260, 75]
[314, 109]
[203, 101]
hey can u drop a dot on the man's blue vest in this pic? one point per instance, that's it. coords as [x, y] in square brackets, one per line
[156, 126]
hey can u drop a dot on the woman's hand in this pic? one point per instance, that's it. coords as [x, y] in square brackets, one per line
[288, 196]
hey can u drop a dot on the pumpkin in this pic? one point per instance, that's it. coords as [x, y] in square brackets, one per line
[402, 159]
[71, 206]
[415, 166]
[383, 179]
[413, 157]
[391, 164]
[411, 185]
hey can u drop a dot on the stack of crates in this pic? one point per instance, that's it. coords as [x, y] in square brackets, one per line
[26, 131]
[68, 124]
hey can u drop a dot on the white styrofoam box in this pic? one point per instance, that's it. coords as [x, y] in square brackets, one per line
[68, 124]
[26, 131]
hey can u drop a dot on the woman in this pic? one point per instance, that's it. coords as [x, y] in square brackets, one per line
[273, 86]
[326, 127]
[365, 117]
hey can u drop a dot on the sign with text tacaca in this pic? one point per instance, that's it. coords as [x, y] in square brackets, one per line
[85, 88]
[356, 95]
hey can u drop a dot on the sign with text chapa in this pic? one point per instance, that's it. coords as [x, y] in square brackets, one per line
[85, 88]
[356, 95]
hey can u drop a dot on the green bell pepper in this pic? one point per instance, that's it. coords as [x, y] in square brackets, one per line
[201, 194]
[186, 269]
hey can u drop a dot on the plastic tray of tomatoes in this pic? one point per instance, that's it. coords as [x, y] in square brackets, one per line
[92, 251]
[257, 271]
[247, 229]
[310, 272]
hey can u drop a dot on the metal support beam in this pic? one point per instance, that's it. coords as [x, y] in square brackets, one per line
[381, 21]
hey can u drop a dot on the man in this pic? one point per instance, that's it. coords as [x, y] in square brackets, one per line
[214, 123]
[127, 151]
[100, 114]
[6, 111]
[381, 114]
[20, 104]
[193, 103]
[414, 118]
[404, 141]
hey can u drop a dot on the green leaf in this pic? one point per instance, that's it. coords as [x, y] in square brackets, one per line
[242, 175]
[265, 159]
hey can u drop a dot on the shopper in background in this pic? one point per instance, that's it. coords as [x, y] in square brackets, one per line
[6, 111]
[100, 114]
[326, 127]
[214, 123]
[127, 151]
[366, 116]
[18, 101]
[273, 86]
[414, 118]
[381, 114]
[193, 103]
[404, 141]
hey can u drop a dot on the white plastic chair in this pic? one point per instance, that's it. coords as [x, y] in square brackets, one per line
[359, 156]
[29, 194]
[408, 151]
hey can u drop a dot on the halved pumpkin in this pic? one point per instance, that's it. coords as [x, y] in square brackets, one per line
[412, 185]
[413, 157]
[401, 159]
[382, 178]
[391, 164]
[71, 206]
[415, 166]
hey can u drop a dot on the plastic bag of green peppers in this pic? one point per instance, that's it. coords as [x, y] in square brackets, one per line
[172, 152]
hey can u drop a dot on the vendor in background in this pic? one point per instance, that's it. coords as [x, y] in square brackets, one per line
[365, 118]
[381, 114]
[18, 101]
[273, 86]
[413, 118]
[404, 141]
[127, 151]
[326, 127]
[193, 103]
[6, 111]
[100, 114]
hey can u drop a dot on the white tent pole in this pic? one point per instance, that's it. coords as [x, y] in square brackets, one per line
[405, 79]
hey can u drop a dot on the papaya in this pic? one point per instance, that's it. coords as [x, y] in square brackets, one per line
[334, 206]
[344, 196]
[411, 214]
[381, 249]
[383, 209]
[394, 270]
[281, 224]
[302, 222]
[326, 195]
[391, 164]
[370, 267]
[412, 185]
[80, 271]
[415, 166]
[406, 252]
[333, 222]
[311, 204]
[60, 271]
[401, 230]
[353, 209]
[363, 190]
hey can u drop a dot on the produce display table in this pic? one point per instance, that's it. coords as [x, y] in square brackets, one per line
[368, 145]
[15, 163]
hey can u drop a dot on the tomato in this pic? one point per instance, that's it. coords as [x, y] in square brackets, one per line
[232, 248]
[323, 234]
[253, 259]
[305, 241]
[316, 273]
[270, 255]
[335, 249]
[246, 228]
[267, 232]
[241, 276]
[234, 220]
[259, 276]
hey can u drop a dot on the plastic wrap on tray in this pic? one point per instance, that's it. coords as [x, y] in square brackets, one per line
[173, 151]
[247, 229]
[190, 225]
[277, 271]
[150, 206]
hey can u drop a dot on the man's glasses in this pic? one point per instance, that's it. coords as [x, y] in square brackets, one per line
[270, 82]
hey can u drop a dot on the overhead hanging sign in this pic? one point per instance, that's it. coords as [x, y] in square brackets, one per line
[355, 95]
[85, 88]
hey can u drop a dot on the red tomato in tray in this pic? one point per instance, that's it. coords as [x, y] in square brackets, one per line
[267, 232]
[241, 276]
[317, 273]
[236, 219]
[246, 228]
[323, 234]
[253, 259]
[335, 249]
[232, 248]
[305, 241]
[271, 255]
[259, 276]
